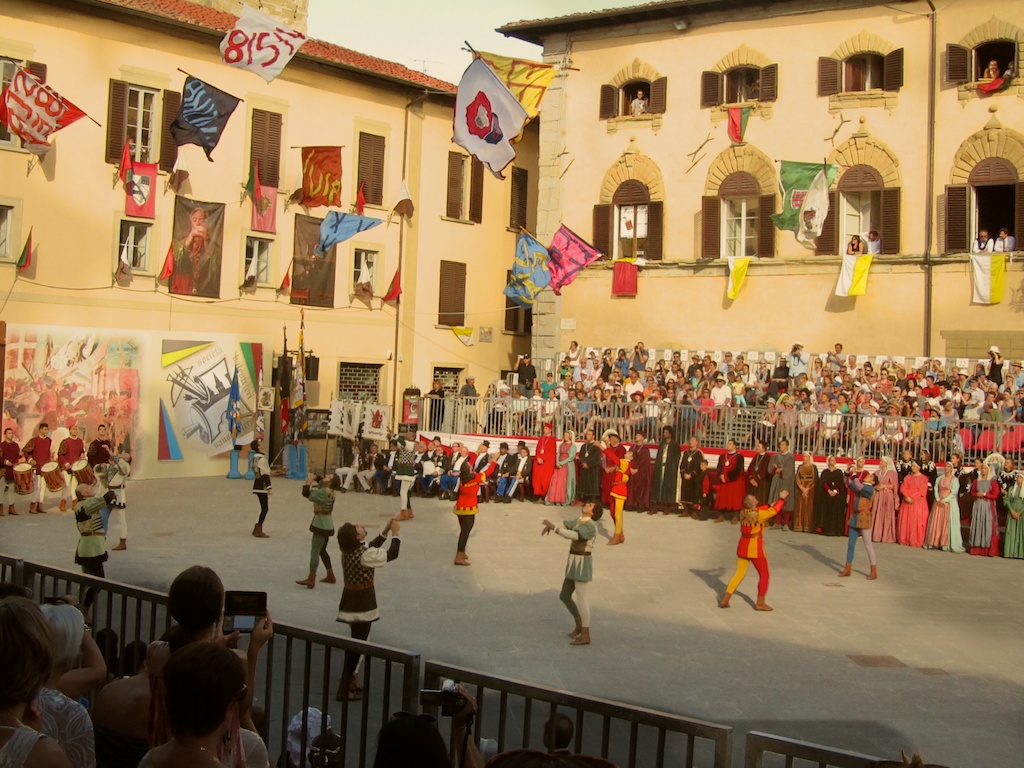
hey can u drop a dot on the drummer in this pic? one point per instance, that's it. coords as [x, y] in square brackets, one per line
[72, 448]
[37, 452]
[10, 454]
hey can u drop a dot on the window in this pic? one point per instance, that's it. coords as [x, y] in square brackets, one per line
[861, 72]
[457, 198]
[258, 249]
[371, 266]
[134, 238]
[992, 199]
[859, 205]
[631, 226]
[451, 295]
[7, 69]
[739, 85]
[520, 191]
[6, 227]
[742, 84]
[650, 98]
[737, 222]
[966, 65]
[635, 99]
[370, 175]
[132, 113]
[517, 319]
[265, 146]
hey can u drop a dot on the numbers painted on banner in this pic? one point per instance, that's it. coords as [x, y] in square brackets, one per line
[261, 48]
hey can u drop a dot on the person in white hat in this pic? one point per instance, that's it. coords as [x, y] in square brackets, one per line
[995, 366]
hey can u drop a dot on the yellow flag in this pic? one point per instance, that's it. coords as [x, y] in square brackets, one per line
[464, 334]
[528, 80]
[737, 274]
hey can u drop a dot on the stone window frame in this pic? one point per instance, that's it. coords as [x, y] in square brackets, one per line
[863, 43]
[744, 56]
[995, 29]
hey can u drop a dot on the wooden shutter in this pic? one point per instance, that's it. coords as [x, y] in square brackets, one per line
[892, 72]
[769, 83]
[710, 227]
[520, 188]
[609, 101]
[765, 227]
[476, 192]
[168, 149]
[958, 64]
[117, 120]
[659, 95]
[37, 69]
[456, 170]
[890, 220]
[711, 89]
[265, 146]
[451, 295]
[370, 172]
[956, 218]
[604, 223]
[655, 230]
[1018, 213]
[828, 76]
[828, 240]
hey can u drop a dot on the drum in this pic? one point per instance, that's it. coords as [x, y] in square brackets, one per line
[52, 476]
[83, 472]
[24, 479]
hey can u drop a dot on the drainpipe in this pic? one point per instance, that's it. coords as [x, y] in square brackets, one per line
[929, 215]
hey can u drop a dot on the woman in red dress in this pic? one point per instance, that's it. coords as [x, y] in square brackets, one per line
[544, 461]
[732, 483]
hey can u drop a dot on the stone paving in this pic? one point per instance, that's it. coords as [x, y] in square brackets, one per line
[927, 657]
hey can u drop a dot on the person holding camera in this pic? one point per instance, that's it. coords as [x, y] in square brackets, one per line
[322, 527]
[358, 606]
[579, 571]
[527, 374]
[638, 360]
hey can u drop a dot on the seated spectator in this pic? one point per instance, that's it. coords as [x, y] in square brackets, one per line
[413, 740]
[26, 662]
[367, 466]
[120, 713]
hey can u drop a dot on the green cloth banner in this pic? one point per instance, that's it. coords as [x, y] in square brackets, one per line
[795, 179]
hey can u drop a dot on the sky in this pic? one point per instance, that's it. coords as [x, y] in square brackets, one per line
[429, 36]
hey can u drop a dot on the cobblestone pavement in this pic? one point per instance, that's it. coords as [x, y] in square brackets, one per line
[927, 657]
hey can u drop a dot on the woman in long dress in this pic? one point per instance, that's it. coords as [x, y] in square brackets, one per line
[913, 517]
[830, 501]
[885, 502]
[590, 469]
[806, 484]
[984, 526]
[1014, 501]
[665, 472]
[562, 489]
[944, 521]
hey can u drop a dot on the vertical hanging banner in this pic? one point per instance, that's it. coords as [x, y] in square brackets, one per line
[797, 181]
[737, 274]
[989, 277]
[202, 116]
[139, 199]
[313, 271]
[196, 248]
[321, 178]
[376, 419]
[260, 45]
[853, 276]
[32, 111]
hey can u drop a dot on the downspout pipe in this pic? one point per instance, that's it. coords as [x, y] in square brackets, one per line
[929, 208]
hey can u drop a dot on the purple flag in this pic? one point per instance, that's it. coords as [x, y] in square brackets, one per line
[567, 255]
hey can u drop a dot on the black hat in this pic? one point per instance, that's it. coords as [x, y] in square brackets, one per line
[522, 444]
[486, 442]
[526, 354]
[503, 445]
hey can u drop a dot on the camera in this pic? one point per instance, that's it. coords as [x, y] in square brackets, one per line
[447, 697]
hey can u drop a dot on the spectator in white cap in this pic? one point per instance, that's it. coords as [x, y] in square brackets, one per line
[995, 366]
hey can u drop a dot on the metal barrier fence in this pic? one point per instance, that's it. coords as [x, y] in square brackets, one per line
[822, 433]
[626, 735]
[761, 745]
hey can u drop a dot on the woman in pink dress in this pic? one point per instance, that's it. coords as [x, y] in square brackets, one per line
[885, 502]
[913, 518]
[562, 489]
[938, 536]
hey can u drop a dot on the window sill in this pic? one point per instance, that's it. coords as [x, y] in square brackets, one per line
[875, 97]
[521, 334]
[968, 91]
[457, 221]
[439, 327]
[763, 109]
[653, 121]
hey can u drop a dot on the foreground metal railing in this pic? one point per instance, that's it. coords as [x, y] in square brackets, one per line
[782, 751]
[513, 713]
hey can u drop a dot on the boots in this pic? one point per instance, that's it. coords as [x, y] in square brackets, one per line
[348, 688]
[309, 582]
[63, 505]
[406, 514]
[846, 571]
[761, 605]
[461, 559]
[724, 602]
[618, 538]
[257, 531]
[121, 546]
[874, 573]
[584, 637]
[329, 578]
[579, 628]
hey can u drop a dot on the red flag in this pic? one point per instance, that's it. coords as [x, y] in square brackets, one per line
[738, 117]
[396, 287]
[360, 199]
[126, 168]
[33, 111]
[25, 260]
[321, 177]
[624, 279]
[168, 269]
[286, 283]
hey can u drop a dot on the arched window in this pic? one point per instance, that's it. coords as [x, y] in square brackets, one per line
[737, 221]
[631, 226]
[739, 85]
[862, 71]
[992, 199]
[983, 63]
[862, 205]
[634, 98]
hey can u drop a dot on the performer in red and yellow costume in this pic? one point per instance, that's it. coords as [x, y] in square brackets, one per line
[751, 548]
[623, 468]
[466, 508]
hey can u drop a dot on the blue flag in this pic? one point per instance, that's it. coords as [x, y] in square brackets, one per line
[234, 409]
[337, 227]
[530, 273]
[203, 113]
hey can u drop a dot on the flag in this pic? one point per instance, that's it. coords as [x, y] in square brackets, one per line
[403, 206]
[124, 266]
[463, 334]
[255, 192]
[265, 220]
[997, 84]
[989, 273]
[251, 274]
[234, 412]
[202, 116]
[364, 284]
[126, 168]
[25, 260]
[567, 255]
[624, 277]
[738, 117]
[737, 274]
[796, 179]
[321, 178]
[813, 211]
[376, 419]
[32, 111]
[527, 80]
[530, 273]
[487, 117]
[337, 227]
[853, 275]
[260, 44]
[139, 199]
[284, 382]
[168, 268]
[360, 199]
[396, 287]
[179, 174]
[286, 281]
[298, 403]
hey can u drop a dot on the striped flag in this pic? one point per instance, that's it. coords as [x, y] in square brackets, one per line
[25, 260]
[853, 276]
[989, 273]
[737, 274]
[738, 117]
[464, 334]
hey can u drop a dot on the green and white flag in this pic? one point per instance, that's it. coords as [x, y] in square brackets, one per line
[797, 180]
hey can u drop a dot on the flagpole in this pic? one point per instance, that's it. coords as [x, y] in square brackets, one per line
[396, 353]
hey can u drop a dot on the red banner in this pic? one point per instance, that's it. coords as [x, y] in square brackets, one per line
[321, 177]
[32, 111]
[140, 197]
